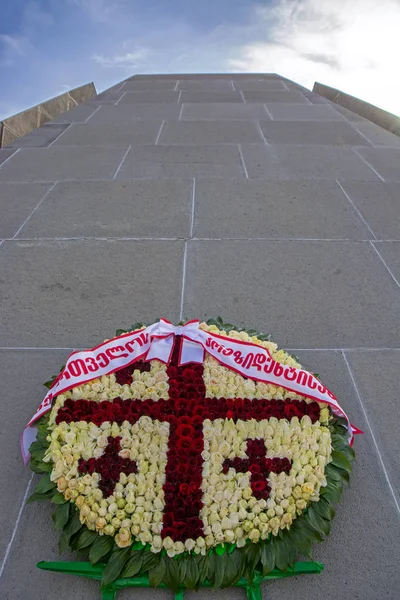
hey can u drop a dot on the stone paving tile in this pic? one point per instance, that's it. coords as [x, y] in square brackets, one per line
[204, 96]
[153, 84]
[5, 155]
[212, 76]
[27, 393]
[376, 135]
[209, 132]
[377, 378]
[139, 208]
[379, 204]
[315, 98]
[275, 97]
[149, 96]
[314, 132]
[259, 84]
[348, 114]
[214, 85]
[104, 134]
[17, 201]
[57, 164]
[182, 161]
[223, 112]
[95, 285]
[305, 162]
[384, 160]
[307, 293]
[122, 113]
[41, 137]
[303, 112]
[79, 114]
[390, 251]
[251, 208]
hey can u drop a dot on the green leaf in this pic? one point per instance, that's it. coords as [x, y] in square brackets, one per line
[101, 546]
[202, 566]
[156, 574]
[319, 524]
[191, 574]
[45, 485]
[233, 569]
[63, 544]
[61, 515]
[150, 560]
[171, 578]
[340, 460]
[58, 499]
[35, 497]
[83, 539]
[72, 526]
[332, 492]
[267, 558]
[324, 509]
[220, 565]
[220, 549]
[133, 565]
[252, 558]
[115, 566]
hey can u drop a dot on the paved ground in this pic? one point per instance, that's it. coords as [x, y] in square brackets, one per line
[242, 196]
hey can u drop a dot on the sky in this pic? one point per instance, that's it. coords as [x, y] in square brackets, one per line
[50, 46]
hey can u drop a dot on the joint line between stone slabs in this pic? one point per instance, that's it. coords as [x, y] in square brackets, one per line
[10, 543]
[367, 163]
[233, 87]
[119, 99]
[285, 87]
[243, 163]
[371, 432]
[159, 133]
[356, 209]
[268, 113]
[7, 159]
[261, 133]
[351, 123]
[243, 98]
[121, 163]
[62, 133]
[183, 281]
[179, 97]
[193, 205]
[382, 259]
[180, 112]
[51, 188]
[176, 85]
[94, 112]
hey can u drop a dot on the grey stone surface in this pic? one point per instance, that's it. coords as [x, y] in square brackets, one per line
[348, 114]
[181, 161]
[305, 162]
[204, 96]
[96, 285]
[379, 204]
[321, 132]
[40, 138]
[209, 132]
[377, 378]
[104, 134]
[55, 164]
[303, 112]
[285, 209]
[214, 85]
[79, 114]
[202, 76]
[390, 253]
[307, 293]
[152, 84]
[384, 160]
[132, 112]
[5, 155]
[259, 84]
[146, 96]
[113, 209]
[17, 201]
[223, 112]
[315, 98]
[376, 135]
[275, 97]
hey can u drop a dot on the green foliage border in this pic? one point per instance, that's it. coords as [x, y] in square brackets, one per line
[223, 565]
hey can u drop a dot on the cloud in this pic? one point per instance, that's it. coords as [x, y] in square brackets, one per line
[11, 48]
[353, 45]
[129, 60]
[100, 10]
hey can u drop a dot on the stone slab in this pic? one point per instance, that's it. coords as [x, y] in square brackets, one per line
[303, 112]
[146, 96]
[379, 204]
[5, 155]
[105, 134]
[316, 132]
[191, 76]
[123, 113]
[384, 160]
[390, 252]
[17, 201]
[213, 85]
[376, 135]
[251, 208]
[209, 132]
[40, 138]
[377, 378]
[79, 114]
[181, 161]
[305, 162]
[63, 163]
[149, 84]
[307, 293]
[223, 112]
[204, 96]
[259, 84]
[315, 98]
[275, 97]
[114, 209]
[348, 114]
[27, 393]
[76, 293]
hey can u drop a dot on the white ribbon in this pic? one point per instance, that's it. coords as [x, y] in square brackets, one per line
[157, 342]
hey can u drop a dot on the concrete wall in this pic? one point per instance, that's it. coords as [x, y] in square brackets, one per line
[19, 125]
[381, 117]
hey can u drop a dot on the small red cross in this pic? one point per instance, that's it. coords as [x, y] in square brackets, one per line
[259, 467]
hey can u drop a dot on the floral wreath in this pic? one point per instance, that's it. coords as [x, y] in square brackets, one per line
[190, 473]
